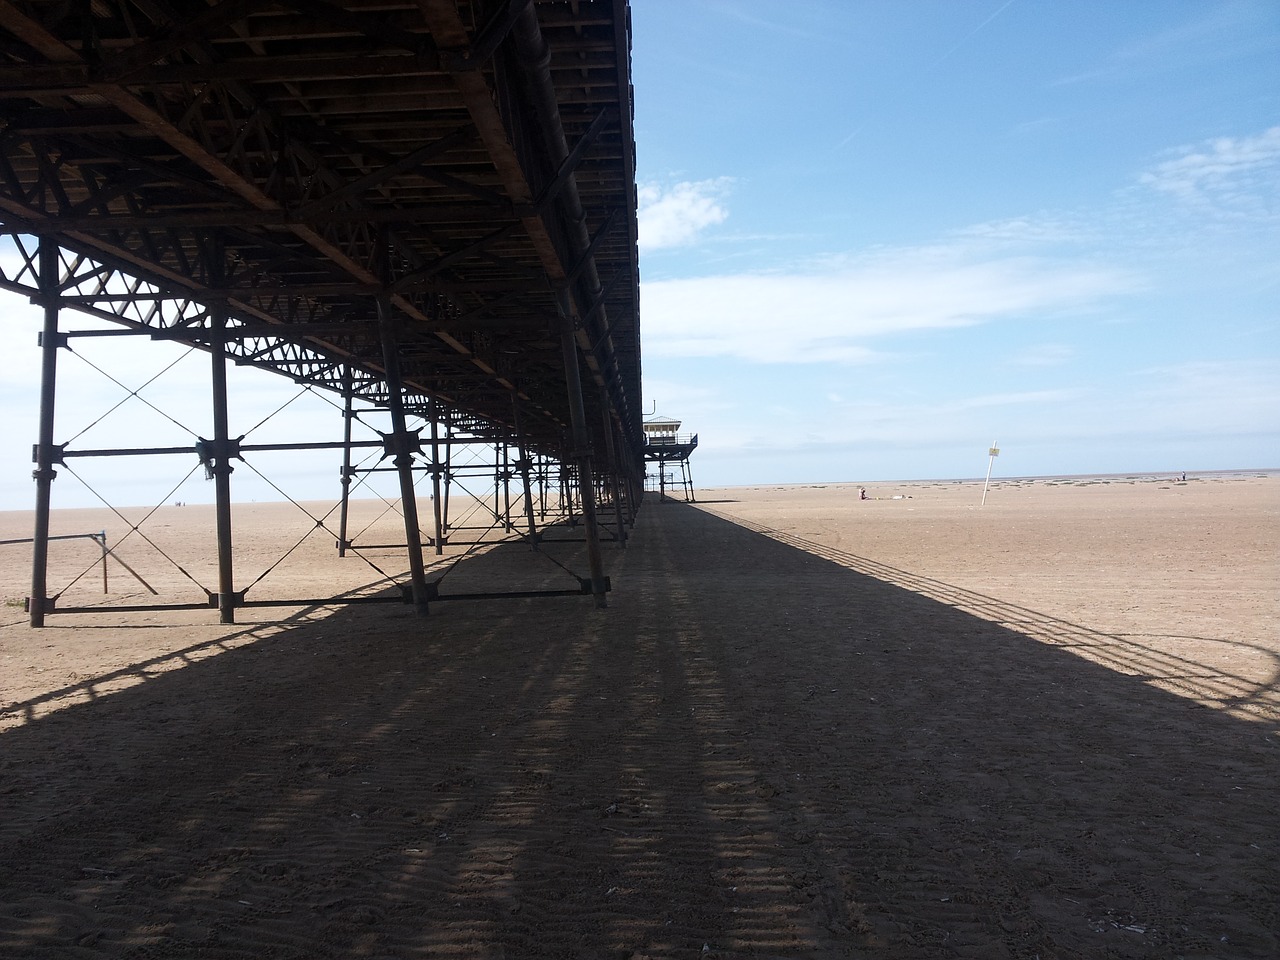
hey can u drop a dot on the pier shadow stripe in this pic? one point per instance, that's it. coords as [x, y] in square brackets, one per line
[755, 750]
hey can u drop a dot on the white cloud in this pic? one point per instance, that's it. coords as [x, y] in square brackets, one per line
[1044, 355]
[830, 311]
[674, 216]
[1026, 230]
[1025, 398]
[1233, 175]
[1212, 397]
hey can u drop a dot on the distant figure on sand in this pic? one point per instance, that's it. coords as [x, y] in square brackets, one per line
[862, 493]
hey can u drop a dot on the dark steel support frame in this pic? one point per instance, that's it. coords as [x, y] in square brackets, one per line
[348, 413]
[220, 464]
[524, 464]
[219, 338]
[611, 451]
[404, 455]
[44, 452]
[582, 451]
[436, 470]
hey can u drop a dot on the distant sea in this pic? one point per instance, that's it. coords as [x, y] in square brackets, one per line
[1133, 475]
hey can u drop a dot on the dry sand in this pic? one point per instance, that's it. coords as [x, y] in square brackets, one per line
[807, 725]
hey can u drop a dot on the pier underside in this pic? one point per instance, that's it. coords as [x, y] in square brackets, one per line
[424, 209]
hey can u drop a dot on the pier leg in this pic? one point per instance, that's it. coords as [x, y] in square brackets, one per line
[506, 486]
[524, 474]
[220, 463]
[612, 452]
[436, 506]
[582, 452]
[404, 456]
[634, 490]
[348, 390]
[543, 467]
[497, 482]
[448, 470]
[566, 491]
[44, 451]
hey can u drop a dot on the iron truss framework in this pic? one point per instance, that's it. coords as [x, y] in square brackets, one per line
[427, 205]
[671, 449]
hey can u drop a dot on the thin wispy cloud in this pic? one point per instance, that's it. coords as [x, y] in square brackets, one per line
[1227, 33]
[1044, 355]
[915, 73]
[1022, 399]
[782, 26]
[1020, 231]
[972, 33]
[1214, 396]
[676, 215]
[1232, 175]
[835, 311]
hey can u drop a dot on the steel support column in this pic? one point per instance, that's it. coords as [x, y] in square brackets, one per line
[566, 490]
[44, 451]
[497, 482]
[542, 486]
[404, 456]
[611, 451]
[348, 390]
[629, 488]
[436, 506]
[506, 485]
[448, 471]
[524, 473]
[582, 452]
[220, 464]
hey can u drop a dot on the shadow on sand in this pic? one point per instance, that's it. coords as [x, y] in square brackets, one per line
[756, 751]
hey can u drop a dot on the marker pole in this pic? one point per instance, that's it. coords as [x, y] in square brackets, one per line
[991, 459]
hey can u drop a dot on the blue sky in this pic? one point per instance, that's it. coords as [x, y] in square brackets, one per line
[877, 236]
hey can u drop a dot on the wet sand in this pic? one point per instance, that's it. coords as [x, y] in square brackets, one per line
[807, 725]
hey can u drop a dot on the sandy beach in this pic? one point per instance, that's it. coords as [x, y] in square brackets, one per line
[807, 725]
